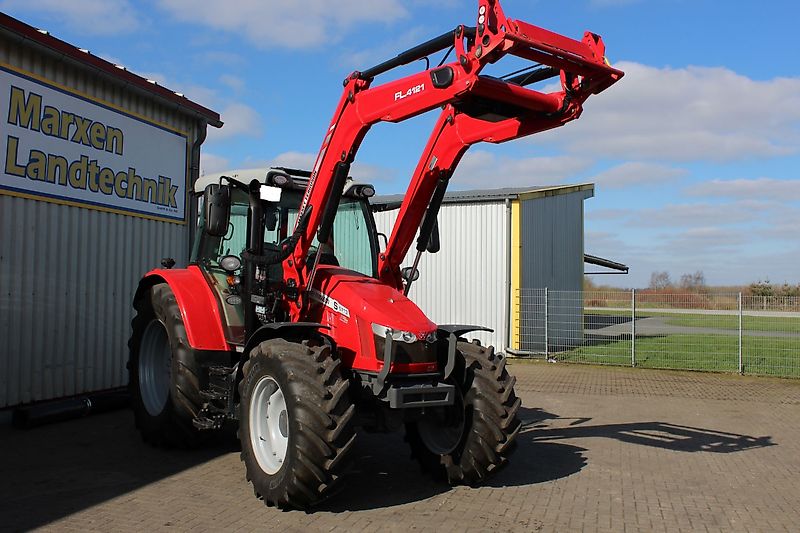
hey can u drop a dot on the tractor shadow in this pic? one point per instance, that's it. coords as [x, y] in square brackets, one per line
[56, 470]
[540, 426]
[385, 476]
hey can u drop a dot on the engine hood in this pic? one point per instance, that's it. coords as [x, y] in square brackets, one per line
[367, 299]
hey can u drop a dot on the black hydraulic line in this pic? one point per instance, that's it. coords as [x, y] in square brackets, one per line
[446, 55]
[418, 52]
[541, 74]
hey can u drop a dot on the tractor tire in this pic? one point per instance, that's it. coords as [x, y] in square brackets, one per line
[163, 374]
[475, 437]
[295, 422]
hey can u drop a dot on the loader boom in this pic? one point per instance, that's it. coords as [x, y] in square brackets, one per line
[476, 109]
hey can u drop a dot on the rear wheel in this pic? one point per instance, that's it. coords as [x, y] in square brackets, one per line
[163, 374]
[294, 422]
[471, 440]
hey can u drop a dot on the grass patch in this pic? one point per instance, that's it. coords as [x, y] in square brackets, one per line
[718, 353]
[749, 323]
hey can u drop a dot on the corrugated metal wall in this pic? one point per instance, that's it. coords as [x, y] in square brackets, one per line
[552, 257]
[67, 274]
[465, 283]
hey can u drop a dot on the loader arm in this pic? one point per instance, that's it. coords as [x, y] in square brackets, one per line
[475, 108]
[454, 133]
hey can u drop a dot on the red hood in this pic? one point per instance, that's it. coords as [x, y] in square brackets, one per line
[372, 301]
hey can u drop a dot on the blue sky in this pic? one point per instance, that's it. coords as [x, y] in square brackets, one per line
[695, 153]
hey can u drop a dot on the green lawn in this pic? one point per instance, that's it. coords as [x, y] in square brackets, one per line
[749, 323]
[761, 355]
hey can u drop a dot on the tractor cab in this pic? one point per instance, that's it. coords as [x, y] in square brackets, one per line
[262, 207]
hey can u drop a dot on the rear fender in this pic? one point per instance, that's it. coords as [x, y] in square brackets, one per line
[199, 310]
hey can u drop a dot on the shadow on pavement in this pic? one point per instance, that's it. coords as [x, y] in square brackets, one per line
[56, 470]
[656, 434]
[385, 475]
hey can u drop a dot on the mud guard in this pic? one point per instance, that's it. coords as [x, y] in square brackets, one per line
[452, 332]
[199, 309]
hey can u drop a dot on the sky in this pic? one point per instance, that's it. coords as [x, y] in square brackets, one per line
[695, 153]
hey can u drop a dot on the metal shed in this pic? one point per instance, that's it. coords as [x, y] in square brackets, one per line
[496, 245]
[96, 166]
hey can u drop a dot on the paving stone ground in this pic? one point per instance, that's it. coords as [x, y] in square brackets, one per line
[602, 449]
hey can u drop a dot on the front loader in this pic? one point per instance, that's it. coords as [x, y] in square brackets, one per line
[294, 325]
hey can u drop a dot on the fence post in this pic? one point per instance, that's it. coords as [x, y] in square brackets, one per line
[633, 327]
[546, 321]
[741, 367]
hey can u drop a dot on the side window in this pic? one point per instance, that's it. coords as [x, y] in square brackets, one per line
[211, 249]
[351, 238]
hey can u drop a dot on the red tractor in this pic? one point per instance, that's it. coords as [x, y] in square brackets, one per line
[293, 322]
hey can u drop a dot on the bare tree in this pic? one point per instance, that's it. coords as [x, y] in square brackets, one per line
[660, 280]
[696, 281]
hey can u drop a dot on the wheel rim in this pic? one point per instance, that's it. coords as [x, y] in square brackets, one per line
[154, 368]
[442, 429]
[269, 425]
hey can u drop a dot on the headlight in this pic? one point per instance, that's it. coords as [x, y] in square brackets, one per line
[230, 263]
[396, 335]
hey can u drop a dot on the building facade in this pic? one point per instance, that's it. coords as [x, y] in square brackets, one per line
[495, 246]
[97, 165]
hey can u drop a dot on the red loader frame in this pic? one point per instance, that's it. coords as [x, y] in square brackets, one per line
[476, 109]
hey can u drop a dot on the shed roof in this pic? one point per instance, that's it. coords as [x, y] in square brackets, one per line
[23, 32]
[393, 201]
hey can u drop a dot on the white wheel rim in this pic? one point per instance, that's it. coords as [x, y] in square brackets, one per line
[269, 425]
[154, 368]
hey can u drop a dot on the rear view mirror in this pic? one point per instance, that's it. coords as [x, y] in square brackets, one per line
[217, 202]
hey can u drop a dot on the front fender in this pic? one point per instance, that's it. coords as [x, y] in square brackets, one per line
[199, 309]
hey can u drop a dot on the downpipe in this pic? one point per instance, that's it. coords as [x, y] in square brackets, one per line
[49, 412]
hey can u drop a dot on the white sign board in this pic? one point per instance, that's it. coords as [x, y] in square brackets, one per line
[62, 147]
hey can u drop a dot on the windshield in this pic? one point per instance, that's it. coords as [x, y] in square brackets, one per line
[352, 244]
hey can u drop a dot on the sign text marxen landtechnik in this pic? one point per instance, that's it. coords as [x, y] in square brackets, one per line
[28, 112]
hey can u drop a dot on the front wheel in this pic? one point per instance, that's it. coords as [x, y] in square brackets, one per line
[294, 422]
[472, 439]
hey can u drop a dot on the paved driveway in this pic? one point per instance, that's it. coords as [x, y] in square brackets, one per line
[602, 449]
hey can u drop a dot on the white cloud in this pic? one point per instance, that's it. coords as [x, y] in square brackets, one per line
[96, 17]
[635, 173]
[240, 120]
[687, 114]
[364, 172]
[234, 83]
[762, 188]
[210, 163]
[606, 214]
[269, 23]
[484, 169]
[699, 214]
[362, 58]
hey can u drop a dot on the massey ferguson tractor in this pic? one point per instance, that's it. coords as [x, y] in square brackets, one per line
[293, 322]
